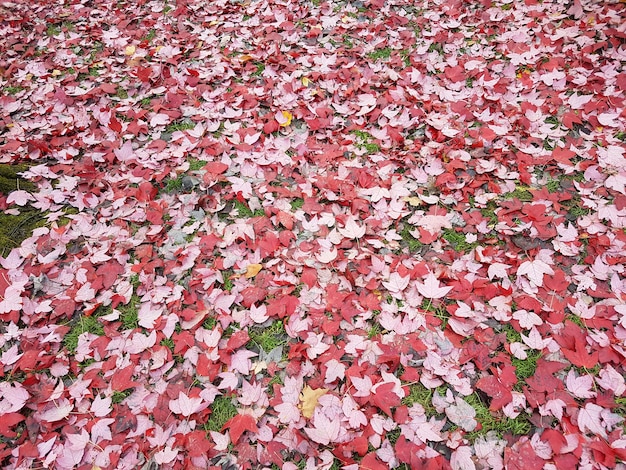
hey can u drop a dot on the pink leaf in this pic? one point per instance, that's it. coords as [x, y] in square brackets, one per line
[334, 370]
[580, 387]
[589, 419]
[12, 397]
[352, 230]
[185, 405]
[462, 414]
[534, 271]
[101, 407]
[431, 288]
[325, 431]
[20, 197]
[396, 283]
[461, 459]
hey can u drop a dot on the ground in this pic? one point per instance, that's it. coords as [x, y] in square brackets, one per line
[294, 234]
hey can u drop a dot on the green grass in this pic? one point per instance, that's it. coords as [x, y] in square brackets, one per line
[53, 30]
[129, 313]
[210, 323]
[364, 141]
[222, 409]
[521, 193]
[268, 338]
[457, 240]
[119, 397]
[13, 90]
[195, 164]
[121, 93]
[496, 422]
[228, 282]
[380, 54]
[180, 125]
[260, 68]
[412, 243]
[297, 204]
[244, 211]
[83, 325]
[150, 35]
[174, 184]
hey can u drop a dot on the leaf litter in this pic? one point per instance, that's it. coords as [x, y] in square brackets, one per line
[423, 204]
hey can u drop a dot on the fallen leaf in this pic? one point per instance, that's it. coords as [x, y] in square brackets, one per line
[309, 398]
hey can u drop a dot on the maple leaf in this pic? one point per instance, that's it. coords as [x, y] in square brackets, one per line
[325, 430]
[462, 414]
[499, 393]
[239, 424]
[590, 419]
[431, 288]
[534, 271]
[384, 397]
[396, 282]
[352, 230]
[252, 270]
[309, 398]
[184, 405]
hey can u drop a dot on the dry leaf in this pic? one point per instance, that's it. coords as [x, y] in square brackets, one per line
[285, 119]
[252, 270]
[308, 399]
[130, 50]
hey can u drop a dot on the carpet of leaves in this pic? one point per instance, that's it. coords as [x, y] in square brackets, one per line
[315, 234]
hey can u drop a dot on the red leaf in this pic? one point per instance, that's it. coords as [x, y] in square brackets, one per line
[197, 443]
[238, 339]
[115, 125]
[500, 394]
[237, 425]
[7, 422]
[121, 379]
[371, 462]
[217, 168]
[522, 457]
[384, 397]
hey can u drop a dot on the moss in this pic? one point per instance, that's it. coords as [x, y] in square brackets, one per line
[222, 409]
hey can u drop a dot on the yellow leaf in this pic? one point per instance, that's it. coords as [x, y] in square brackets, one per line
[288, 117]
[245, 57]
[130, 50]
[413, 200]
[252, 270]
[305, 81]
[308, 399]
[56, 73]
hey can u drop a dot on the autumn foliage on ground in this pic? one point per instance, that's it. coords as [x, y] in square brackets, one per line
[315, 234]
